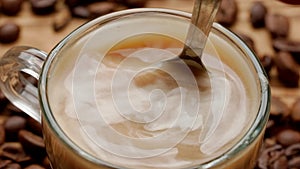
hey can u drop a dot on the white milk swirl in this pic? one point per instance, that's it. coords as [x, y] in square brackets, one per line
[123, 111]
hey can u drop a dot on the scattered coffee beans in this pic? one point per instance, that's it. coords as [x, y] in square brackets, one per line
[9, 32]
[21, 143]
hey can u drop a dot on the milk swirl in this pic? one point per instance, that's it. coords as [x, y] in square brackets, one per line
[120, 108]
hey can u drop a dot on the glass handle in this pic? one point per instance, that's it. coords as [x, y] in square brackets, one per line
[15, 66]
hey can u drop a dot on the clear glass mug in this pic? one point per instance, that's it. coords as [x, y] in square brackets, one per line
[64, 152]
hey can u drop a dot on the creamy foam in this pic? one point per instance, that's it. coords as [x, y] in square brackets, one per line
[120, 109]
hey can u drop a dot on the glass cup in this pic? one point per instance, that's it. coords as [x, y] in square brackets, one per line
[71, 58]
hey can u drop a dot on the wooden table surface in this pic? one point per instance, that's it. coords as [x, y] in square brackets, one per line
[37, 31]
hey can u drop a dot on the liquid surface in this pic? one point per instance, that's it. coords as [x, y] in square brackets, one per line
[125, 109]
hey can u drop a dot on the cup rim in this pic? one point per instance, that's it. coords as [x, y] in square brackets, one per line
[250, 136]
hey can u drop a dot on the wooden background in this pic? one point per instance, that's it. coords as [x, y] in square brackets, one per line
[37, 31]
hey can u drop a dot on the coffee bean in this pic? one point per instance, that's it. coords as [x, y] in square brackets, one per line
[293, 149]
[11, 7]
[294, 162]
[278, 25]
[288, 137]
[62, 19]
[295, 111]
[9, 32]
[287, 69]
[2, 134]
[278, 108]
[97, 9]
[43, 7]
[4, 163]
[14, 151]
[257, 14]
[81, 12]
[227, 14]
[13, 125]
[286, 45]
[13, 166]
[281, 163]
[32, 144]
[34, 166]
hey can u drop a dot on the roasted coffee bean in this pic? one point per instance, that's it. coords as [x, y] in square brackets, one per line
[288, 137]
[257, 14]
[293, 150]
[9, 32]
[287, 69]
[295, 111]
[4, 163]
[2, 134]
[286, 45]
[14, 151]
[227, 14]
[278, 108]
[62, 19]
[11, 7]
[267, 62]
[294, 162]
[81, 12]
[281, 163]
[278, 25]
[13, 125]
[32, 144]
[42, 7]
[13, 166]
[34, 166]
[97, 9]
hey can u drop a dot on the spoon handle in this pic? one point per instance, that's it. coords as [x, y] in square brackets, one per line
[203, 16]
